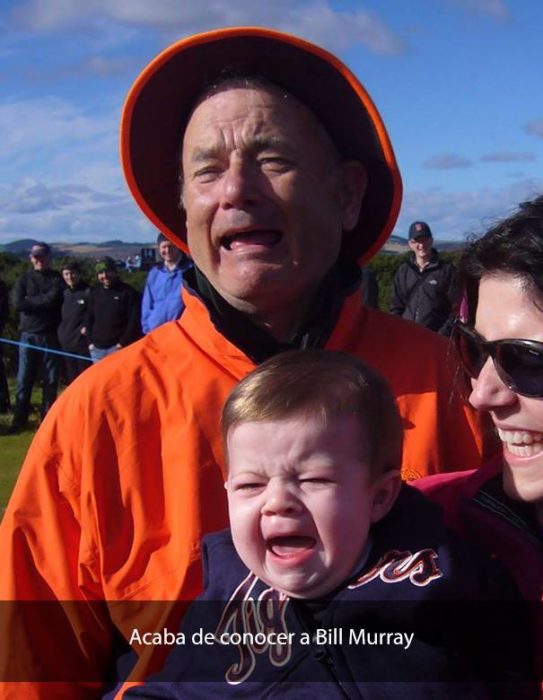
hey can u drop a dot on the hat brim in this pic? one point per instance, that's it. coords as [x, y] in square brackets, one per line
[162, 97]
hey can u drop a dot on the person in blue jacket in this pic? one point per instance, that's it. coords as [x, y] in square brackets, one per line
[161, 299]
[335, 580]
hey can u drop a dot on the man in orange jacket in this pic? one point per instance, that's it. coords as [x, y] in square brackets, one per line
[287, 184]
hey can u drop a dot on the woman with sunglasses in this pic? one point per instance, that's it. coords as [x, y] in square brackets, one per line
[499, 341]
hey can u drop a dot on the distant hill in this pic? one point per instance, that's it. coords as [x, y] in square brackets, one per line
[397, 244]
[397, 239]
[20, 247]
[120, 250]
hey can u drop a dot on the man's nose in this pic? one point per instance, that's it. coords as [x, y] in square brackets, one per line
[240, 185]
[280, 499]
[489, 391]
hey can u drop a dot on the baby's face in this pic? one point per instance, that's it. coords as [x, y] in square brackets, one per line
[301, 501]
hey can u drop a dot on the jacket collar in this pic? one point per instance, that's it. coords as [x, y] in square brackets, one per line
[434, 261]
[256, 342]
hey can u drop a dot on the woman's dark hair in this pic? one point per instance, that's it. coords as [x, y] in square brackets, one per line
[513, 246]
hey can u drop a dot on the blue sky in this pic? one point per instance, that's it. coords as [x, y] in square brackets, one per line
[459, 84]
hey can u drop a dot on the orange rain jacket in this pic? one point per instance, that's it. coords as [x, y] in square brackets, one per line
[124, 477]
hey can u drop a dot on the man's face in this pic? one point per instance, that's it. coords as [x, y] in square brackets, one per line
[168, 252]
[422, 247]
[266, 197]
[40, 262]
[301, 501]
[106, 277]
[71, 277]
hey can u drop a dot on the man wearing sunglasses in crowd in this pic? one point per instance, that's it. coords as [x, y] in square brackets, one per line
[500, 347]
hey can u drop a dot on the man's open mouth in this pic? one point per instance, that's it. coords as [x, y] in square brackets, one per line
[258, 237]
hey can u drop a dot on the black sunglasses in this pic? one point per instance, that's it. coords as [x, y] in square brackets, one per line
[518, 363]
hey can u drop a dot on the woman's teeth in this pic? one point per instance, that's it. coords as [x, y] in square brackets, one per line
[520, 443]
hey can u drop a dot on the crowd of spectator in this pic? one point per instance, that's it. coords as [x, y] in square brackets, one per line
[66, 324]
[84, 323]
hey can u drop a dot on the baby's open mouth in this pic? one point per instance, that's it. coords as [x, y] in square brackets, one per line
[288, 545]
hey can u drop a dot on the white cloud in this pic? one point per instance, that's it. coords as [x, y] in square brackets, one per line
[106, 67]
[316, 20]
[69, 213]
[447, 161]
[508, 157]
[27, 197]
[34, 123]
[320, 23]
[495, 9]
[56, 141]
[534, 128]
[452, 215]
[44, 15]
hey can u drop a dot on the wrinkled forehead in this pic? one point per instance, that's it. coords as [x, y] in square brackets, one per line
[248, 82]
[274, 110]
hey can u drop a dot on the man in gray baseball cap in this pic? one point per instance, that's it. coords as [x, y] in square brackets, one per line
[37, 298]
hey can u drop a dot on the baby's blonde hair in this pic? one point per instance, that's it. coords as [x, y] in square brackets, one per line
[328, 385]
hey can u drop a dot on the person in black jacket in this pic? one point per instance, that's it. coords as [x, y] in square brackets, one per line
[424, 289]
[72, 330]
[113, 319]
[37, 297]
[4, 313]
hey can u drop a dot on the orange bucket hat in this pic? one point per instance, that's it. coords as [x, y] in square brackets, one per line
[162, 97]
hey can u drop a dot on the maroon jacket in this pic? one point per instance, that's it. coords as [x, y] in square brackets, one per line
[475, 505]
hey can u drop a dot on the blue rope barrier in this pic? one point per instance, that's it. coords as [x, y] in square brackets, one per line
[42, 349]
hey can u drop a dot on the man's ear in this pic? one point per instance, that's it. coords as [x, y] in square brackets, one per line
[385, 491]
[354, 180]
[181, 185]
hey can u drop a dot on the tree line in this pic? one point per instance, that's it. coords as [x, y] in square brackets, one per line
[12, 267]
[384, 266]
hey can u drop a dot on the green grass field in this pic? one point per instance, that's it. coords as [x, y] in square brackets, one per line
[13, 447]
[12, 450]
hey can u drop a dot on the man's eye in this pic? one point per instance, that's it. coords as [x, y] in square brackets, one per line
[275, 163]
[316, 480]
[210, 172]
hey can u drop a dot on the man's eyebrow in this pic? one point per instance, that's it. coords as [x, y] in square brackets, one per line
[204, 153]
[262, 142]
[256, 144]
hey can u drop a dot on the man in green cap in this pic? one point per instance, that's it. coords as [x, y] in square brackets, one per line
[113, 315]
